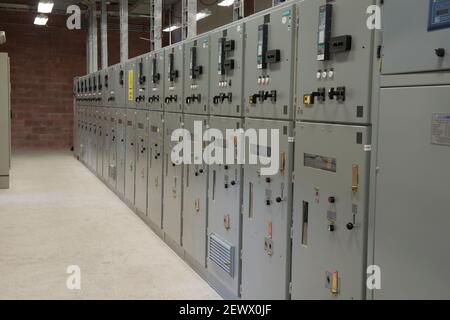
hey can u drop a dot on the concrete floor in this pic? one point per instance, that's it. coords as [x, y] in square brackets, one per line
[58, 214]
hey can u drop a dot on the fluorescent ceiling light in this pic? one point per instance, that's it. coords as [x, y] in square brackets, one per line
[226, 3]
[202, 14]
[2, 37]
[45, 7]
[171, 28]
[41, 20]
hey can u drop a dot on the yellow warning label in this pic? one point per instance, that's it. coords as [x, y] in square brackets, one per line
[130, 85]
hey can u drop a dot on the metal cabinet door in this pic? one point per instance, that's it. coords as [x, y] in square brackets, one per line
[267, 218]
[141, 161]
[121, 86]
[269, 64]
[412, 193]
[337, 89]
[130, 157]
[155, 92]
[196, 76]
[100, 140]
[173, 181]
[93, 140]
[173, 78]
[412, 32]
[107, 142]
[155, 168]
[330, 211]
[195, 184]
[227, 71]
[121, 150]
[224, 214]
[141, 81]
[112, 156]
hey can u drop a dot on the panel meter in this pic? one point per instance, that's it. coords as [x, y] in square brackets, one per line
[439, 17]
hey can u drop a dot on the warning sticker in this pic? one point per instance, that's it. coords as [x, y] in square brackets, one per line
[440, 129]
[130, 85]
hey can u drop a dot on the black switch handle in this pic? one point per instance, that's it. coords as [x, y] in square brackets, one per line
[440, 52]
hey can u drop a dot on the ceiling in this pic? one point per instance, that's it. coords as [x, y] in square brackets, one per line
[135, 7]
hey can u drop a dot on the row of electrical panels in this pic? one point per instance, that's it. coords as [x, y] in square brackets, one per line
[307, 231]
[230, 219]
[247, 69]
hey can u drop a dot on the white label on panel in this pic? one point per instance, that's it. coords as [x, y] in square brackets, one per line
[440, 129]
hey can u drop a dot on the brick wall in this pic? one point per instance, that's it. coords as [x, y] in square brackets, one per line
[44, 61]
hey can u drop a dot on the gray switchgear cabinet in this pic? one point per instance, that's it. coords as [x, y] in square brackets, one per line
[411, 208]
[330, 211]
[155, 168]
[227, 70]
[174, 78]
[142, 122]
[141, 81]
[100, 137]
[195, 186]
[173, 182]
[155, 86]
[122, 86]
[108, 87]
[267, 218]
[335, 76]
[196, 75]
[121, 150]
[92, 139]
[224, 215]
[130, 157]
[412, 193]
[409, 45]
[112, 155]
[269, 64]
[106, 140]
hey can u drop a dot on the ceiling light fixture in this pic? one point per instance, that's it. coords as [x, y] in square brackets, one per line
[45, 6]
[41, 20]
[171, 28]
[202, 14]
[226, 3]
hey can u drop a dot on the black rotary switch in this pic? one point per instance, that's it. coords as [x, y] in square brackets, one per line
[331, 199]
[278, 199]
[233, 183]
[268, 180]
[440, 52]
[350, 226]
[201, 170]
[225, 167]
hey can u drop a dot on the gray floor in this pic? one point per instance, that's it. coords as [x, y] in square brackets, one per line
[58, 214]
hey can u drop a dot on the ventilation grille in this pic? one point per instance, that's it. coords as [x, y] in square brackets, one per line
[222, 254]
